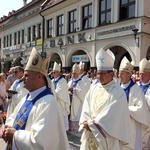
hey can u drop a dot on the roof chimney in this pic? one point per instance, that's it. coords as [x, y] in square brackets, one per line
[24, 2]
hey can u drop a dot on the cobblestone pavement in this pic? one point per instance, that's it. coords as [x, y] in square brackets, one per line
[73, 137]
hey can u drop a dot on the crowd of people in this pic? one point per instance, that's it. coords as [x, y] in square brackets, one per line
[111, 109]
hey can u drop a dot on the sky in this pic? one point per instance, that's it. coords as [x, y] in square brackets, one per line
[8, 5]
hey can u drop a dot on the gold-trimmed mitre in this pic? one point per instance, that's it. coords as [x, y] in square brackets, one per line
[75, 68]
[37, 63]
[81, 65]
[57, 67]
[144, 65]
[126, 65]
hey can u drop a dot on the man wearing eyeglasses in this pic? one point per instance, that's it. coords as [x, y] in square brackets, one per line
[105, 117]
[16, 91]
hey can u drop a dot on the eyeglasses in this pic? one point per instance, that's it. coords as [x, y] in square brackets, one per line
[54, 72]
[102, 74]
[16, 72]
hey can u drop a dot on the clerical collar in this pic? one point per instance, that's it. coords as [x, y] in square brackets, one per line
[75, 79]
[33, 94]
[145, 83]
[56, 78]
[108, 85]
[124, 86]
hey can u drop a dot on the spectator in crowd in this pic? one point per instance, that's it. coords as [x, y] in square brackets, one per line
[136, 103]
[137, 78]
[2, 116]
[144, 83]
[5, 72]
[4, 85]
[105, 116]
[62, 93]
[11, 77]
[36, 122]
[68, 77]
[17, 91]
[50, 74]
[134, 75]
[77, 93]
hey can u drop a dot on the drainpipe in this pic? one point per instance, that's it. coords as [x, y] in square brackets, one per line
[43, 31]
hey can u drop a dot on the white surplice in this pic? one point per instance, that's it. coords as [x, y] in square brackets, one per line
[147, 97]
[16, 98]
[78, 96]
[63, 100]
[139, 116]
[87, 82]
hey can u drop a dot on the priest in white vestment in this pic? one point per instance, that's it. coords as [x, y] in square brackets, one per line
[105, 117]
[18, 87]
[136, 103]
[62, 93]
[144, 83]
[36, 123]
[77, 94]
[84, 77]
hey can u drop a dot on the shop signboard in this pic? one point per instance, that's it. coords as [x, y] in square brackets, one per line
[78, 58]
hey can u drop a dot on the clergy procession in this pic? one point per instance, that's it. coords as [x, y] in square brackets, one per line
[40, 105]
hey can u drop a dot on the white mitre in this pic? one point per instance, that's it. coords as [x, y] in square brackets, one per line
[144, 65]
[56, 67]
[126, 65]
[104, 61]
[81, 65]
[75, 68]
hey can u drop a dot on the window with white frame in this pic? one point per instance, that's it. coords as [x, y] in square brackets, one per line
[18, 37]
[60, 25]
[34, 33]
[104, 12]
[29, 34]
[39, 31]
[87, 17]
[127, 9]
[15, 38]
[22, 36]
[72, 21]
[10, 40]
[49, 28]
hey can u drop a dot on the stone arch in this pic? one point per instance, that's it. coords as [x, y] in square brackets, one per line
[148, 53]
[73, 51]
[56, 56]
[120, 50]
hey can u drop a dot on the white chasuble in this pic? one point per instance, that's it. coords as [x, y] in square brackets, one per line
[106, 111]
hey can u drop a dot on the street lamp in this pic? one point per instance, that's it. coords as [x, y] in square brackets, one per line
[135, 31]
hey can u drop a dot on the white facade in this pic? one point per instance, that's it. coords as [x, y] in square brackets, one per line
[116, 36]
[20, 20]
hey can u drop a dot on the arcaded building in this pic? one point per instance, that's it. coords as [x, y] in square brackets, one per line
[74, 31]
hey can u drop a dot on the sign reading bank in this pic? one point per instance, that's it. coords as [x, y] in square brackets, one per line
[78, 58]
